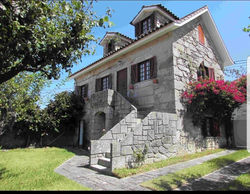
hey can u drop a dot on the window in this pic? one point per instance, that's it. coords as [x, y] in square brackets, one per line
[104, 83]
[144, 70]
[145, 25]
[201, 35]
[84, 91]
[205, 72]
[210, 127]
[111, 45]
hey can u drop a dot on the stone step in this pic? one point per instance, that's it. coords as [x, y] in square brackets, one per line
[107, 155]
[101, 169]
[104, 162]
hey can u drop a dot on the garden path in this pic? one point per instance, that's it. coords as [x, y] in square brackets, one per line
[77, 169]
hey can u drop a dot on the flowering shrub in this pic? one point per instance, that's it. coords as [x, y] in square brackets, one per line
[214, 98]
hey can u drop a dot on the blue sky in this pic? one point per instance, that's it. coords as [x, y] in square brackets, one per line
[230, 18]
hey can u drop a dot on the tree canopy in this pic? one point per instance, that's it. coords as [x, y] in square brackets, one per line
[45, 36]
[18, 98]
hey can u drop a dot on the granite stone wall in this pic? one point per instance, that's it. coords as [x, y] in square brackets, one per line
[157, 132]
[188, 53]
[167, 130]
[124, 119]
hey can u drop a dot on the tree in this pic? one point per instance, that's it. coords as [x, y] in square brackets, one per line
[45, 36]
[18, 98]
[65, 110]
[62, 114]
[247, 29]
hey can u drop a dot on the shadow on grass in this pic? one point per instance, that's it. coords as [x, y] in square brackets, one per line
[77, 151]
[2, 171]
[176, 182]
[237, 185]
[187, 181]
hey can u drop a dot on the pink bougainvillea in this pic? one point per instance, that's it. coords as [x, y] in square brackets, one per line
[219, 98]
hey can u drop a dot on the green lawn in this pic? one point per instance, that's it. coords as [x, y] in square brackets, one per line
[33, 169]
[174, 180]
[124, 172]
[242, 182]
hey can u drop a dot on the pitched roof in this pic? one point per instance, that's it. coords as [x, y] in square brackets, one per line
[158, 6]
[219, 44]
[117, 34]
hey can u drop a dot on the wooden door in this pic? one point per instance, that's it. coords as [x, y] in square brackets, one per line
[122, 82]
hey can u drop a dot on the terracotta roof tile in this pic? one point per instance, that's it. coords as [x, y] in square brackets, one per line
[143, 36]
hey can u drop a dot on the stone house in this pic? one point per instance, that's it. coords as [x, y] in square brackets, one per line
[132, 94]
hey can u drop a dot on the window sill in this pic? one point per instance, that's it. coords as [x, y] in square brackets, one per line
[143, 83]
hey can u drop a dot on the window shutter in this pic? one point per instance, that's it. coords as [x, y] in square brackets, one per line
[86, 90]
[153, 67]
[110, 81]
[211, 73]
[139, 28]
[201, 35]
[134, 74]
[136, 29]
[98, 85]
[78, 90]
[152, 21]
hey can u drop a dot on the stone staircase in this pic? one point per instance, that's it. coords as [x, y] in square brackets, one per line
[103, 165]
[100, 157]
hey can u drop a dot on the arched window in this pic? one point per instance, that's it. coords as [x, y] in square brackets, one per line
[202, 71]
[99, 125]
[205, 72]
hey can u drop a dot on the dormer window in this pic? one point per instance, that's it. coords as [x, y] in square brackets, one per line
[111, 46]
[112, 41]
[145, 25]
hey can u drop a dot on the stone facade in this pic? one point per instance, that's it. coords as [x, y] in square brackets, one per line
[166, 129]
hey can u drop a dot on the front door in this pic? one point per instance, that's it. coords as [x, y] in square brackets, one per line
[122, 82]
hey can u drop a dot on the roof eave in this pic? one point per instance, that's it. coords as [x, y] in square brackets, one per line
[133, 22]
[218, 41]
[216, 37]
[137, 44]
[219, 44]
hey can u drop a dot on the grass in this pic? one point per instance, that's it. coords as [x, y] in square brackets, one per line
[124, 172]
[241, 183]
[174, 180]
[33, 169]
